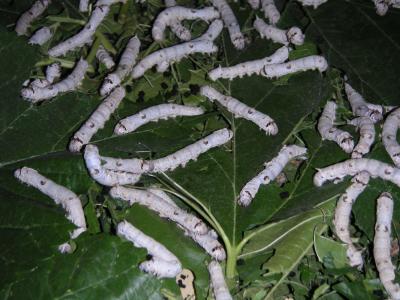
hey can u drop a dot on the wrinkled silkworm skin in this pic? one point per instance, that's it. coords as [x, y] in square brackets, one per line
[272, 169]
[341, 219]
[154, 114]
[382, 245]
[367, 136]
[213, 31]
[389, 136]
[84, 5]
[395, 3]
[255, 4]
[164, 264]
[176, 27]
[270, 11]
[109, 2]
[24, 22]
[351, 167]
[219, 287]
[313, 62]
[41, 36]
[96, 120]
[329, 132]
[209, 243]
[249, 68]
[165, 57]
[85, 36]
[102, 175]
[175, 14]
[294, 35]
[161, 207]
[314, 3]
[381, 6]
[36, 94]
[105, 58]
[53, 72]
[360, 107]
[241, 110]
[133, 165]
[230, 22]
[69, 201]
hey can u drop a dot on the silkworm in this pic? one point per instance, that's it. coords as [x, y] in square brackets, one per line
[255, 4]
[272, 169]
[219, 287]
[209, 243]
[109, 2]
[105, 58]
[41, 36]
[241, 110]
[381, 6]
[24, 22]
[212, 32]
[270, 11]
[53, 72]
[314, 3]
[96, 120]
[293, 35]
[83, 5]
[367, 136]
[389, 136]
[176, 26]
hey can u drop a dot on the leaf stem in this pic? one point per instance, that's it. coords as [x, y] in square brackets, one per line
[105, 42]
[66, 20]
[68, 64]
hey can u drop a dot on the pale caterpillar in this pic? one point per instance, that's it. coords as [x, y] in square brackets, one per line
[125, 65]
[329, 132]
[313, 62]
[173, 14]
[293, 35]
[163, 264]
[395, 3]
[352, 167]
[161, 207]
[164, 57]
[389, 136]
[105, 58]
[381, 6]
[219, 287]
[367, 136]
[35, 94]
[24, 22]
[83, 5]
[254, 3]
[272, 169]
[108, 2]
[270, 11]
[84, 36]
[314, 3]
[61, 195]
[41, 36]
[342, 215]
[53, 72]
[241, 110]
[230, 22]
[96, 120]
[103, 175]
[382, 245]
[176, 26]
[213, 31]
[249, 67]
[153, 114]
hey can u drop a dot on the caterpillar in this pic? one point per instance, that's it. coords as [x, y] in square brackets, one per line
[41, 36]
[382, 245]
[381, 6]
[53, 72]
[175, 14]
[314, 3]
[105, 58]
[109, 2]
[125, 65]
[272, 169]
[389, 135]
[313, 62]
[219, 287]
[241, 110]
[163, 264]
[341, 220]
[254, 3]
[212, 32]
[176, 26]
[270, 11]
[329, 132]
[249, 67]
[96, 120]
[36, 93]
[24, 22]
[367, 136]
[153, 114]
[294, 35]
[83, 5]
[61, 196]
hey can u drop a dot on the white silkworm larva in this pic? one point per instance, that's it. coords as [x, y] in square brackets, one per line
[367, 136]
[41, 36]
[382, 245]
[83, 5]
[389, 136]
[313, 62]
[103, 175]
[109, 2]
[395, 3]
[230, 22]
[314, 3]
[30, 15]
[270, 11]
[71, 83]
[329, 132]
[96, 120]
[294, 35]
[272, 169]
[341, 219]
[164, 263]
[53, 72]
[69, 201]
[352, 167]
[125, 65]
[381, 6]
[105, 58]
[83, 37]
[209, 243]
[176, 26]
[219, 287]
[255, 4]
[249, 67]
[161, 207]
[173, 14]
[213, 31]
[153, 114]
[241, 110]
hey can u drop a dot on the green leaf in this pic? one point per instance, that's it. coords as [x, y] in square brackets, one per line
[327, 249]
